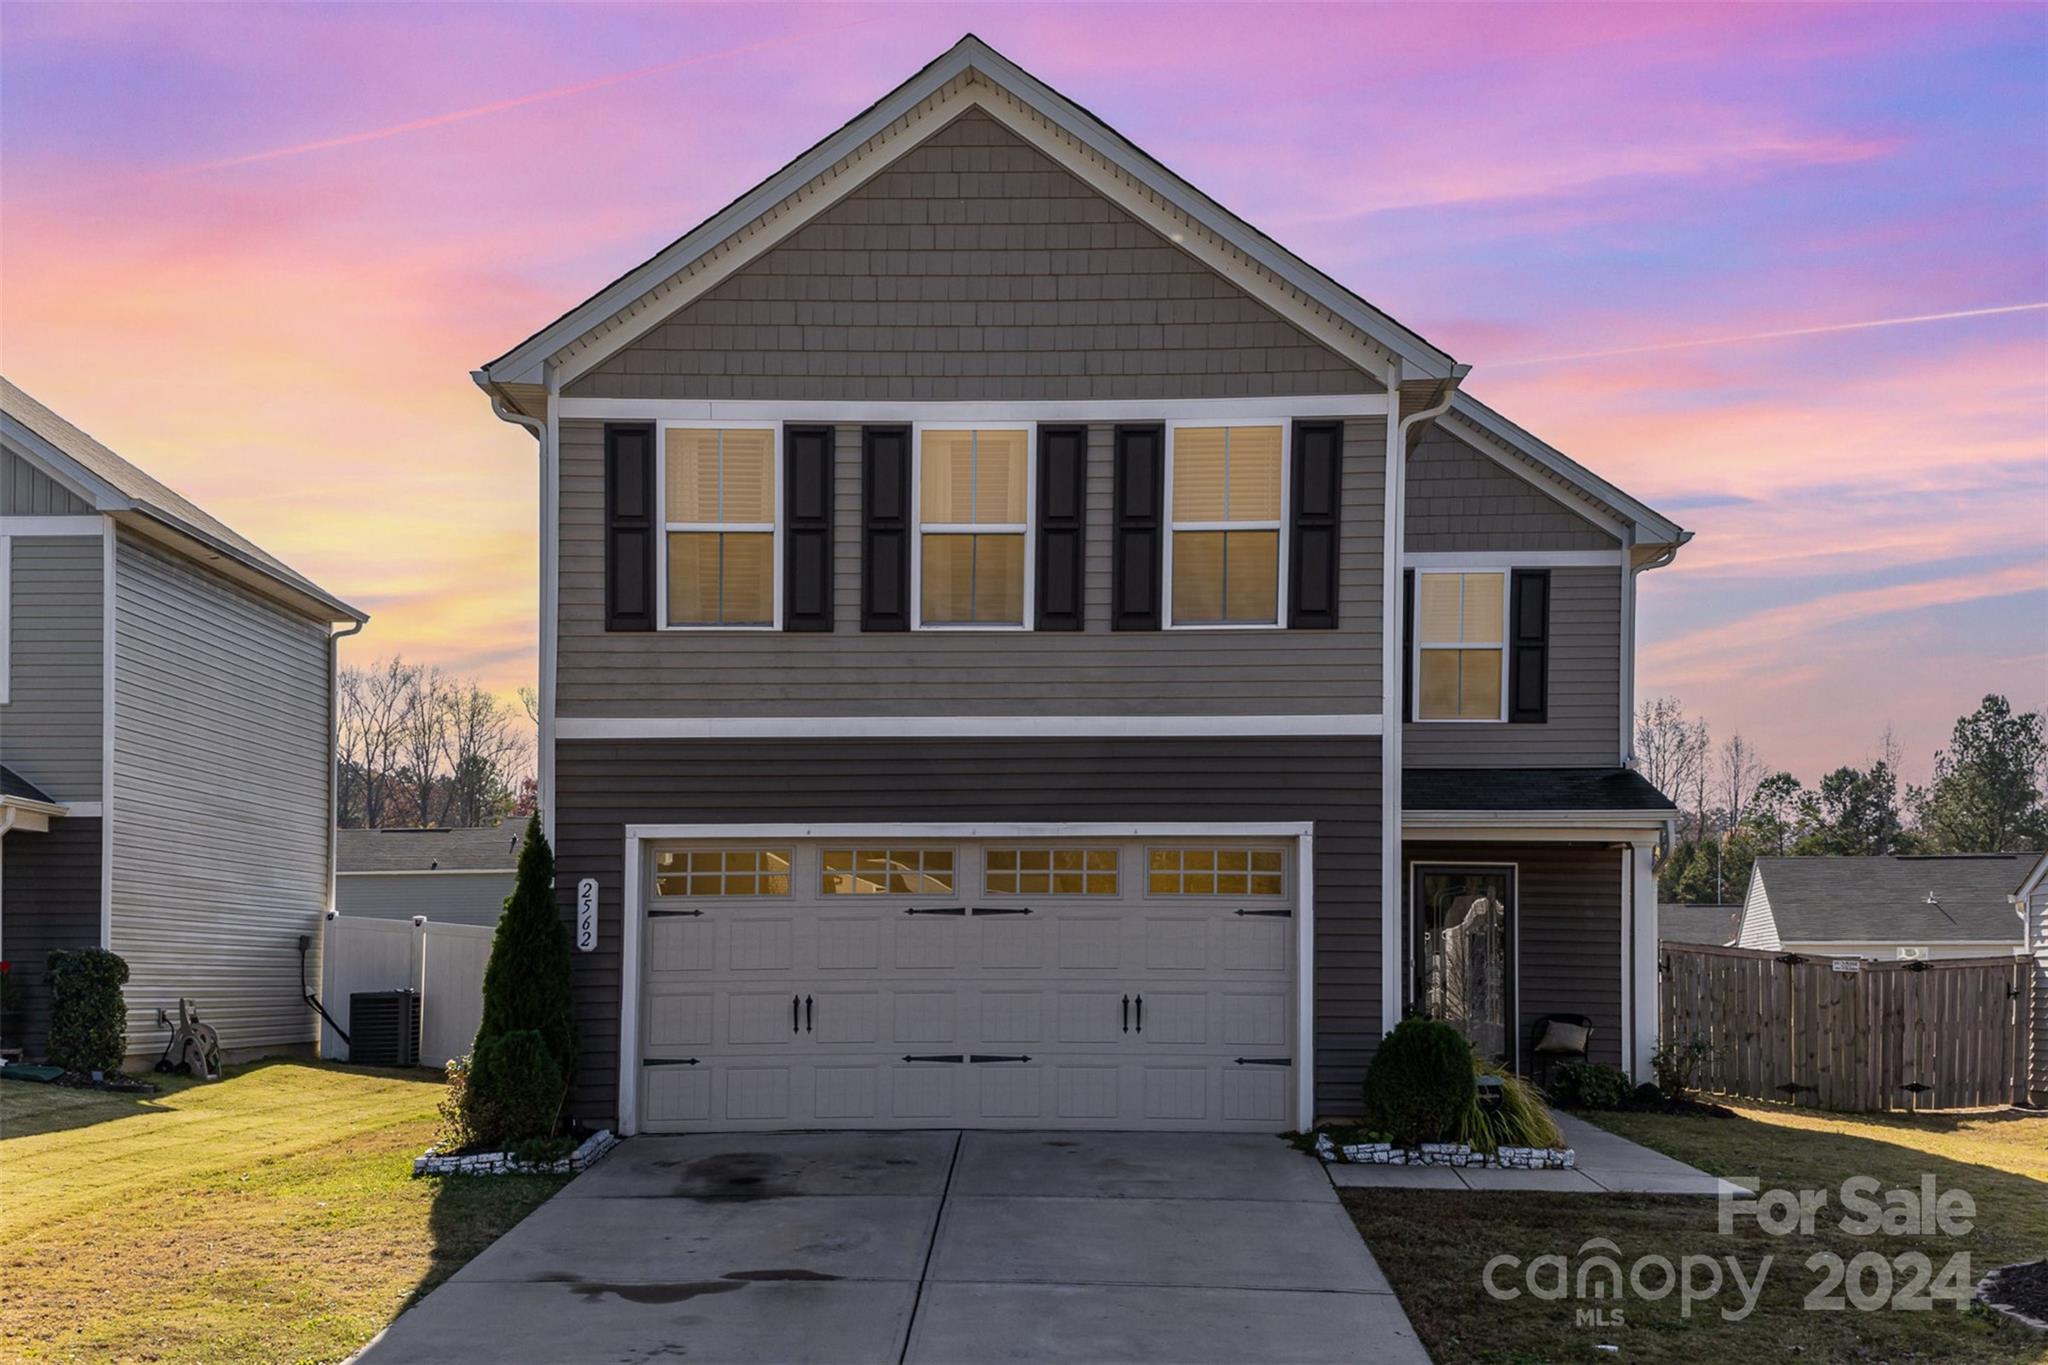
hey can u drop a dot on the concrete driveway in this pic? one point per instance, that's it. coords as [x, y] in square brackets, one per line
[925, 1246]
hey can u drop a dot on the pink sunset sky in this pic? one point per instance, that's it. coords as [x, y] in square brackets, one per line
[1779, 271]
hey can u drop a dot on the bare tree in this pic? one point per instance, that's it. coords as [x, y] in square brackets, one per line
[370, 710]
[484, 744]
[1671, 753]
[422, 747]
[529, 698]
[1741, 769]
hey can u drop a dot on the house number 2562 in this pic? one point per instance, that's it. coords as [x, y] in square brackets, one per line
[586, 915]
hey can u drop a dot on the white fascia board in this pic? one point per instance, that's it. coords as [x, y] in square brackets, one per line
[84, 525]
[958, 727]
[1634, 835]
[75, 477]
[34, 807]
[1512, 559]
[1360, 405]
[1651, 525]
[2033, 880]
[526, 363]
[1541, 818]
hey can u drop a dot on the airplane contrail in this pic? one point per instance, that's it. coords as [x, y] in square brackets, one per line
[1772, 336]
[494, 107]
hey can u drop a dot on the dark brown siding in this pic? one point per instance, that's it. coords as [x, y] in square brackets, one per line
[1568, 897]
[52, 894]
[973, 267]
[602, 787]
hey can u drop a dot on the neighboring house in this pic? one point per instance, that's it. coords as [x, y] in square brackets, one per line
[2031, 899]
[166, 713]
[1015, 639]
[1713, 925]
[1901, 907]
[451, 876]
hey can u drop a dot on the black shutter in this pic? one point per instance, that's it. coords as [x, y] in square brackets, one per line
[1316, 492]
[1407, 642]
[1529, 646]
[885, 528]
[629, 530]
[1140, 500]
[1062, 517]
[807, 528]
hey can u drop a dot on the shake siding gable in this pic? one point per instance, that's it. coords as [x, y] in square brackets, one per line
[50, 727]
[220, 800]
[848, 671]
[1462, 499]
[973, 267]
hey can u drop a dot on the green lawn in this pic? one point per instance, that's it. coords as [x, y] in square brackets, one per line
[270, 1216]
[1435, 1246]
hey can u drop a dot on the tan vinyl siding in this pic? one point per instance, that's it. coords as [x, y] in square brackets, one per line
[50, 728]
[1584, 726]
[443, 897]
[973, 267]
[1461, 499]
[602, 787]
[848, 672]
[26, 491]
[220, 800]
[1568, 932]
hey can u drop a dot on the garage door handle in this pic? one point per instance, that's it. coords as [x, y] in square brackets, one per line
[1263, 1061]
[1283, 914]
[1141, 1014]
[1127, 1014]
[941, 910]
[807, 1014]
[795, 1004]
[1002, 910]
[937, 1057]
[978, 1057]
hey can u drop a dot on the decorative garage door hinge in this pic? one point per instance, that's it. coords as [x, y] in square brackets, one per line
[668, 1061]
[1002, 909]
[656, 914]
[940, 910]
[935, 1057]
[996, 1057]
[1280, 914]
[1263, 1061]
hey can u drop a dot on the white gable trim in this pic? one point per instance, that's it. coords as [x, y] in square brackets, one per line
[971, 73]
[1477, 439]
[72, 476]
[1471, 415]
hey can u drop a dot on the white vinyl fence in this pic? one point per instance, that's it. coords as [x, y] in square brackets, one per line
[443, 962]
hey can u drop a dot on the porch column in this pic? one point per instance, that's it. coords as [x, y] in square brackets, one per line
[1642, 960]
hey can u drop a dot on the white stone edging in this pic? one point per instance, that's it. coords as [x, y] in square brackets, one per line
[1985, 1289]
[588, 1154]
[1447, 1154]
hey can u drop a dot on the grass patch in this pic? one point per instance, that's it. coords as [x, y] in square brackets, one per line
[1434, 1245]
[271, 1216]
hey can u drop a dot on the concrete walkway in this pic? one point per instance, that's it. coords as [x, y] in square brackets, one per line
[1608, 1164]
[925, 1247]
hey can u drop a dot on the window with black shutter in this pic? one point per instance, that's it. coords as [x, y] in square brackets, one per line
[807, 528]
[629, 536]
[1312, 556]
[1529, 647]
[1062, 526]
[885, 528]
[1140, 478]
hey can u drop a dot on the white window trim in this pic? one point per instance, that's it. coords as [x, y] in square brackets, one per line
[633, 912]
[1028, 529]
[1280, 539]
[1416, 647]
[6, 616]
[774, 528]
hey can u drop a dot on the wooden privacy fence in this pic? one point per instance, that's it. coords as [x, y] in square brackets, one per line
[1944, 1034]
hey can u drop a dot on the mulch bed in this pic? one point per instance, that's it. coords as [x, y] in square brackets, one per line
[112, 1081]
[2021, 1290]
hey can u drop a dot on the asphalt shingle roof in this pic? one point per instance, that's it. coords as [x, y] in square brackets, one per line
[1884, 900]
[163, 502]
[14, 784]
[493, 848]
[1530, 789]
[1711, 924]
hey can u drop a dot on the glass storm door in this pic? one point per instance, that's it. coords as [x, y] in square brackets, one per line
[1465, 945]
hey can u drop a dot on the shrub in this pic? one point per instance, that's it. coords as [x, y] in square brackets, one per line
[513, 1090]
[1419, 1083]
[455, 1134]
[526, 984]
[88, 1017]
[1677, 1062]
[1588, 1085]
[1520, 1120]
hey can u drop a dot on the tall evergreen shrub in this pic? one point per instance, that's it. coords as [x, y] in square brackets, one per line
[88, 1016]
[526, 985]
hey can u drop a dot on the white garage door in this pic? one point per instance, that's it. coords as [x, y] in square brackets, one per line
[998, 984]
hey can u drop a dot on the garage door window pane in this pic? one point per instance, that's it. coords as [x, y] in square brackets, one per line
[1210, 870]
[722, 872]
[1052, 872]
[887, 872]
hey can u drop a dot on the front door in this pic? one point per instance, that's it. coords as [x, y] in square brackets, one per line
[1464, 943]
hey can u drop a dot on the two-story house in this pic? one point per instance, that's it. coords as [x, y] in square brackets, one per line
[1020, 648]
[166, 721]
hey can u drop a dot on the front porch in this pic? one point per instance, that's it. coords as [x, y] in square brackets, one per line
[1528, 895]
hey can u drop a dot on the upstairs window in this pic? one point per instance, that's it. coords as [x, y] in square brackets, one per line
[1460, 645]
[718, 509]
[973, 526]
[1224, 509]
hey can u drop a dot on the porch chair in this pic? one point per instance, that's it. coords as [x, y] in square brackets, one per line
[1555, 1038]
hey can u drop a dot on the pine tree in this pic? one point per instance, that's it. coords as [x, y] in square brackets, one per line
[526, 985]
